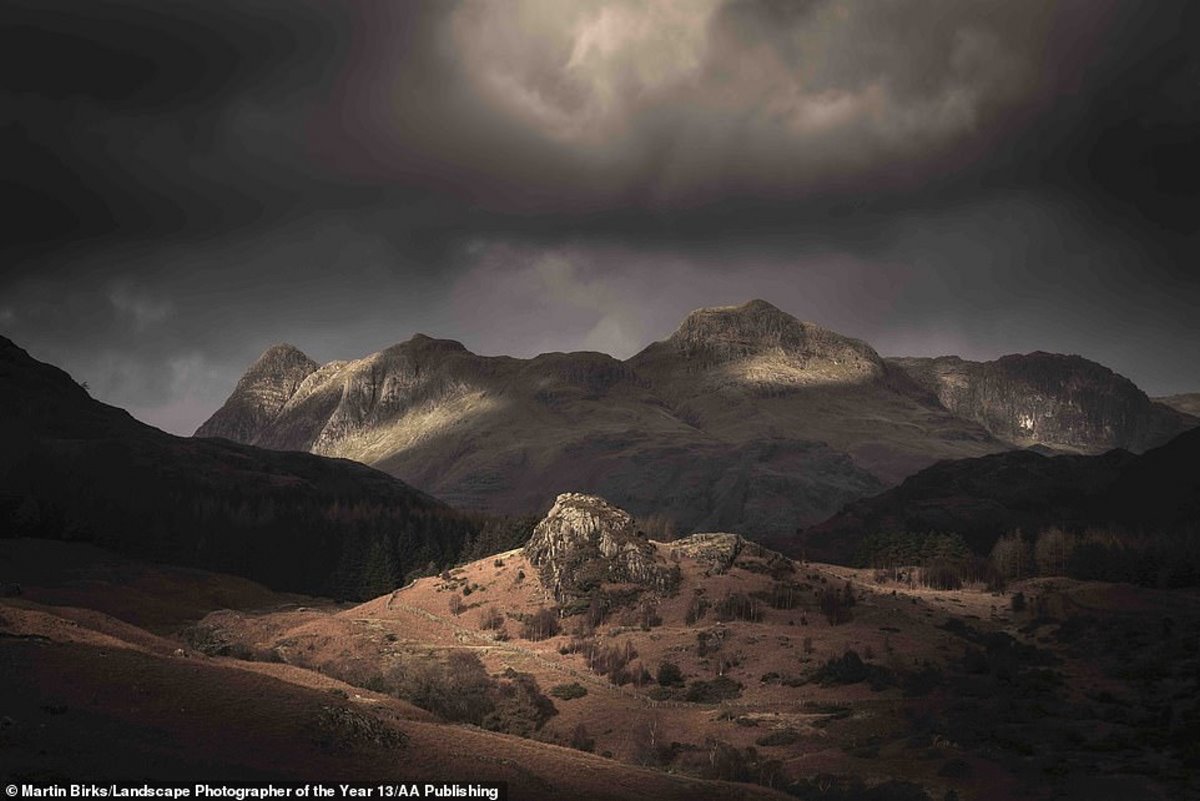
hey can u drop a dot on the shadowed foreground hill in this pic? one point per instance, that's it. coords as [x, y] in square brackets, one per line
[75, 469]
[1156, 493]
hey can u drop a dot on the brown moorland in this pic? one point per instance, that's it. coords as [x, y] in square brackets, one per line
[889, 690]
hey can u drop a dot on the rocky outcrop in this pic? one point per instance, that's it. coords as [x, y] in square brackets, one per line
[1065, 402]
[585, 542]
[720, 552]
[260, 395]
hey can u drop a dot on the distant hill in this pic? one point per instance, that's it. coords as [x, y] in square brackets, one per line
[1066, 403]
[1188, 403]
[1157, 493]
[744, 419]
[73, 468]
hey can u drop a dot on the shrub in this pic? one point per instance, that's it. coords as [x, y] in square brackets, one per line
[1018, 602]
[669, 675]
[664, 694]
[707, 643]
[722, 688]
[341, 729]
[777, 738]
[456, 604]
[850, 669]
[520, 708]
[569, 692]
[846, 669]
[459, 690]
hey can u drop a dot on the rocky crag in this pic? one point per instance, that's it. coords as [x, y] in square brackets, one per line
[260, 395]
[1066, 403]
[584, 542]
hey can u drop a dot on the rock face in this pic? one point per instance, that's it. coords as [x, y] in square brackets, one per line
[762, 345]
[739, 372]
[1064, 402]
[260, 395]
[721, 551]
[585, 542]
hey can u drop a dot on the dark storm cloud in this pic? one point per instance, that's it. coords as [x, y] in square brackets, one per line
[144, 119]
[191, 182]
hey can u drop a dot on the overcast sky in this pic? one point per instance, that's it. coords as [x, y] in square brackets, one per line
[188, 183]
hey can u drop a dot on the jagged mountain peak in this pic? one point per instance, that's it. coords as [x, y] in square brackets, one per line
[757, 345]
[260, 394]
[757, 326]
[755, 322]
[283, 351]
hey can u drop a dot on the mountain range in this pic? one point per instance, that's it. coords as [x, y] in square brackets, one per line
[744, 419]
